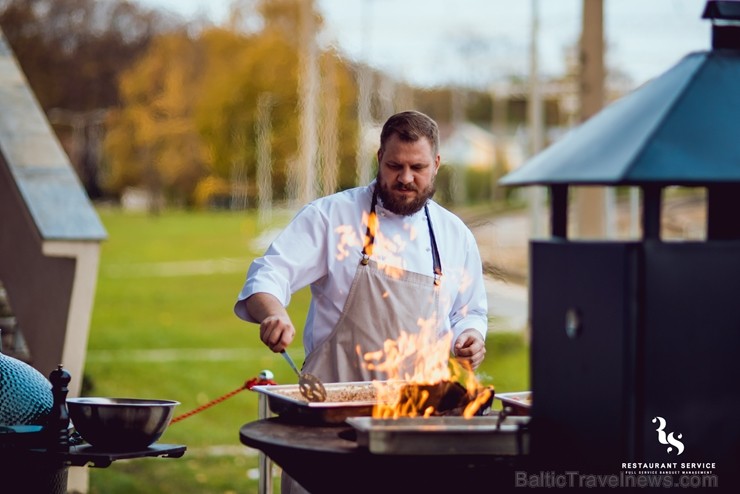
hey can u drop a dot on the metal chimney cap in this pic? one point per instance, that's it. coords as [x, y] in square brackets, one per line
[722, 10]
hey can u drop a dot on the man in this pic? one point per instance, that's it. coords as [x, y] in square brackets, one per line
[379, 259]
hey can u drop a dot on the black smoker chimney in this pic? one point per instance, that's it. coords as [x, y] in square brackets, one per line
[725, 17]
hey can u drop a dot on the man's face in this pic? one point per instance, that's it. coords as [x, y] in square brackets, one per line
[406, 172]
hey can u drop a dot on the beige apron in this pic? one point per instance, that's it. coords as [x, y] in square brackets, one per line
[379, 306]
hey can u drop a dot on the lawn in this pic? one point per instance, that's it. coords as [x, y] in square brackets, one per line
[163, 327]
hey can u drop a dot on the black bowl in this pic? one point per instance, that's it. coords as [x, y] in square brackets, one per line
[120, 424]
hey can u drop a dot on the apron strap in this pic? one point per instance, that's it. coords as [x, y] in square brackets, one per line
[436, 261]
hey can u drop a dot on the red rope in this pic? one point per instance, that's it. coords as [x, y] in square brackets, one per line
[247, 385]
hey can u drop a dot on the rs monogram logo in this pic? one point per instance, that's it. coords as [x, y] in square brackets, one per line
[668, 439]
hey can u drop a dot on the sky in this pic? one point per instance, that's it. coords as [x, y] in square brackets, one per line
[432, 42]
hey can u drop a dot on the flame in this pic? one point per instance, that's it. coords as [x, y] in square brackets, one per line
[479, 400]
[347, 238]
[371, 221]
[415, 363]
[390, 259]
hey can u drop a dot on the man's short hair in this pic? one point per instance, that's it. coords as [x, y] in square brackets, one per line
[410, 126]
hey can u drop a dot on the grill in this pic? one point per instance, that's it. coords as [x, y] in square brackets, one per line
[636, 342]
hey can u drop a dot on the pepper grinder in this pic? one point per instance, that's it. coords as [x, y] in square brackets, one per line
[57, 425]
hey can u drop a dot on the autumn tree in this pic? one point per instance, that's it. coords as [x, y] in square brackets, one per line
[72, 52]
[152, 139]
[339, 96]
[240, 69]
[190, 116]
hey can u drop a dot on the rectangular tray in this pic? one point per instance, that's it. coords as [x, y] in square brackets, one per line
[443, 435]
[520, 402]
[326, 412]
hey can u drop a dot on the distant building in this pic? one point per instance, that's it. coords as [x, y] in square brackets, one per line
[468, 145]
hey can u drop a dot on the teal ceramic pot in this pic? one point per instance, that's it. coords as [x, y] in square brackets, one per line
[25, 394]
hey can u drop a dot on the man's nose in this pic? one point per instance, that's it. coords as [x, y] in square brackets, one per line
[405, 176]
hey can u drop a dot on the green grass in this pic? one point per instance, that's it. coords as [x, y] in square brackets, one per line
[141, 308]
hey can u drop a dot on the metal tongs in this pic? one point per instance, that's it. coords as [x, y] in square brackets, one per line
[310, 386]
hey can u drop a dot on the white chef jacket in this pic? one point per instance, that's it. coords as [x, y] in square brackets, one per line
[322, 246]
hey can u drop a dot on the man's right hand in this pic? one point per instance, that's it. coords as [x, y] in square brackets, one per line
[276, 328]
[277, 332]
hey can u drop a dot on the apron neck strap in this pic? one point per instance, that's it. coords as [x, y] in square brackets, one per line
[436, 262]
[370, 236]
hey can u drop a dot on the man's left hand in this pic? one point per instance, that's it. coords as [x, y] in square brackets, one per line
[470, 348]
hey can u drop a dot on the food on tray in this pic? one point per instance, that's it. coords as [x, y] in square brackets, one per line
[345, 394]
[517, 403]
[524, 399]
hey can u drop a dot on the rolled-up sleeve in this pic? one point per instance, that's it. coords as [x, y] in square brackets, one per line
[295, 259]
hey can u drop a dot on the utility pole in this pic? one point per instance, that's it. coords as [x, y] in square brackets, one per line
[263, 128]
[500, 96]
[308, 94]
[364, 87]
[329, 129]
[535, 119]
[594, 206]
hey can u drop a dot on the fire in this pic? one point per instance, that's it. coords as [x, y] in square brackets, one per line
[389, 249]
[421, 376]
[371, 221]
[347, 238]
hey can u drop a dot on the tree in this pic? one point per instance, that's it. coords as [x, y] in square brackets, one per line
[72, 52]
[241, 66]
[189, 111]
[237, 70]
[152, 139]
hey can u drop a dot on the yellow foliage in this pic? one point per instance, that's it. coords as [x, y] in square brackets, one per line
[209, 187]
[189, 112]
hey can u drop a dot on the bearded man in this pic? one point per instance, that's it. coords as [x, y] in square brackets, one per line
[380, 259]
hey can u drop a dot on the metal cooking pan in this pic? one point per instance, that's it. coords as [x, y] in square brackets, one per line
[495, 434]
[286, 402]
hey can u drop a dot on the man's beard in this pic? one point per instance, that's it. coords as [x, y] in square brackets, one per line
[399, 205]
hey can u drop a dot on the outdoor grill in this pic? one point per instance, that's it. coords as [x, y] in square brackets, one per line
[327, 446]
[365, 455]
[629, 337]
